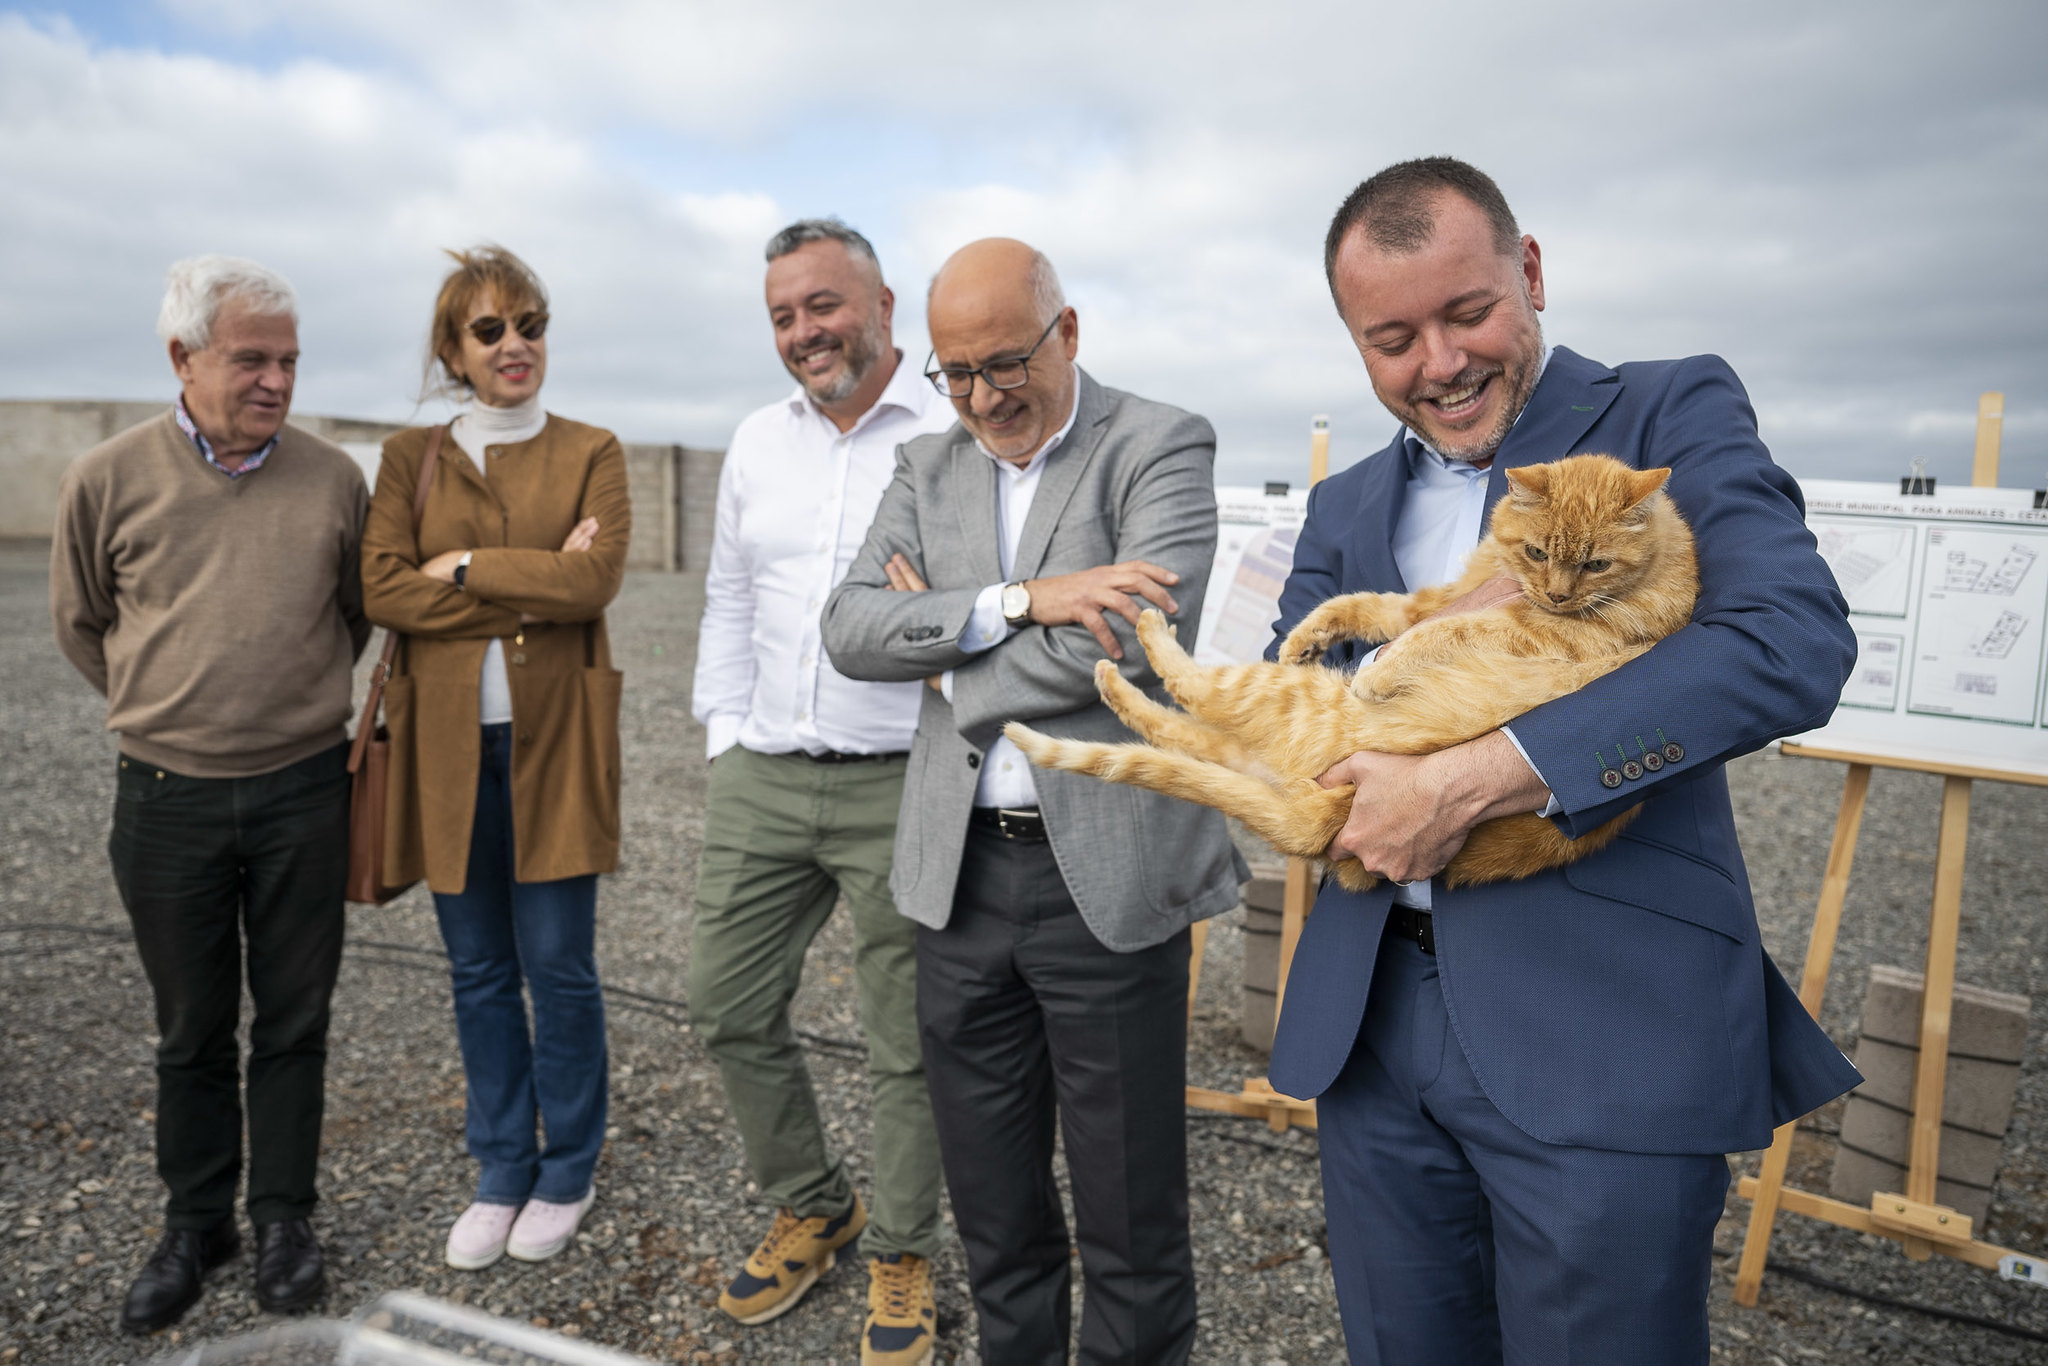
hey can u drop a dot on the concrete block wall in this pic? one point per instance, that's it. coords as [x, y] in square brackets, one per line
[674, 488]
[38, 441]
[1987, 1037]
[697, 481]
[651, 482]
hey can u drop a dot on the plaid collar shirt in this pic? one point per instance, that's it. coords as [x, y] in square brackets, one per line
[249, 466]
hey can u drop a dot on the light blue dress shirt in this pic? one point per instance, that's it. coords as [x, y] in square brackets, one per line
[1442, 516]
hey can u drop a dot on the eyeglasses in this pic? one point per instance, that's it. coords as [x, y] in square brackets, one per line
[1011, 372]
[487, 330]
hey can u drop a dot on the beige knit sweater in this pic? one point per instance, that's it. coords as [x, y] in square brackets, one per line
[221, 617]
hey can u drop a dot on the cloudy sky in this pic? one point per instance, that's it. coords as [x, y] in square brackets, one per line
[1847, 201]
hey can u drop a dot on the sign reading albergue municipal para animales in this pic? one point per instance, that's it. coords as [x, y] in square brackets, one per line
[1947, 593]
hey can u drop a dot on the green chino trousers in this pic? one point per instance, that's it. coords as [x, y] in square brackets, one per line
[784, 837]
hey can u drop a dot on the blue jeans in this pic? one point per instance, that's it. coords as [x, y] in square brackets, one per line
[501, 933]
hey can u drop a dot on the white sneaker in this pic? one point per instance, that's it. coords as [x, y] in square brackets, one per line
[545, 1228]
[478, 1238]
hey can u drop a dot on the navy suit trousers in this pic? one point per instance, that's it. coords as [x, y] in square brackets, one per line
[1456, 1239]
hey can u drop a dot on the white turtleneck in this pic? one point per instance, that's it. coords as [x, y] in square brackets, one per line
[475, 431]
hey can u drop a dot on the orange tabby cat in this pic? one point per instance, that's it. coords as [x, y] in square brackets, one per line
[1606, 567]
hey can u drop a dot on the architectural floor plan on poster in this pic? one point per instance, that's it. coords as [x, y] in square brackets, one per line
[1873, 562]
[1948, 597]
[1983, 593]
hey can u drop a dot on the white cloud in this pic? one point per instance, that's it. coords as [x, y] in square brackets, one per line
[1841, 199]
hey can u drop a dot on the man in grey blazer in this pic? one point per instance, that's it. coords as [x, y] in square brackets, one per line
[1006, 558]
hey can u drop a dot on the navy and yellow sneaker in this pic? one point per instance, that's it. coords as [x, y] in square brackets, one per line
[790, 1259]
[902, 1326]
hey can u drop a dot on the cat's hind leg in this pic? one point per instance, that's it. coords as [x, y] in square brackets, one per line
[1167, 728]
[1299, 818]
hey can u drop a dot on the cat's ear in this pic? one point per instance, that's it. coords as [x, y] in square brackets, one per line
[1529, 484]
[1643, 483]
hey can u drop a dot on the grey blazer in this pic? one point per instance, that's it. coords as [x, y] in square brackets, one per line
[1132, 481]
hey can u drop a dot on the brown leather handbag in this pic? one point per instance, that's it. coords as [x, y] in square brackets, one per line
[369, 757]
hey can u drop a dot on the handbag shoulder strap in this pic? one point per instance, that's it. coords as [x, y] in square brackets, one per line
[425, 483]
[373, 700]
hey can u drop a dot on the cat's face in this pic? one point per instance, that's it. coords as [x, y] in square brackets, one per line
[1578, 532]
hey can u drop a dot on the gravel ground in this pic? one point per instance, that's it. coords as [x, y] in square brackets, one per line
[81, 1204]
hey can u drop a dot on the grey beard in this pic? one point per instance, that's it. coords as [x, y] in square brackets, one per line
[862, 352]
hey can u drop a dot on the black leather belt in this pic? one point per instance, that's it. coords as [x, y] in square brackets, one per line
[1413, 927]
[1009, 823]
[833, 756]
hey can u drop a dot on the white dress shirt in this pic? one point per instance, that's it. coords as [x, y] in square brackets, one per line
[475, 431]
[1442, 515]
[1005, 779]
[795, 498]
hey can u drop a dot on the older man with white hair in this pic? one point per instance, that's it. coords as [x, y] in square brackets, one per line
[204, 577]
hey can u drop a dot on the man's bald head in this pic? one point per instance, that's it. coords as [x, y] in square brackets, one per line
[995, 300]
[999, 262]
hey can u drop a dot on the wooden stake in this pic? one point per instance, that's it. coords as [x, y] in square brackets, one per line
[1300, 889]
[1936, 1002]
[1293, 915]
[1990, 426]
[1813, 985]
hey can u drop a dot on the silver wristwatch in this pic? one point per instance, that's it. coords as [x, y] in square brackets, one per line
[1016, 605]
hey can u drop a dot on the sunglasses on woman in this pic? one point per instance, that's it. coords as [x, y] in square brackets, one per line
[487, 330]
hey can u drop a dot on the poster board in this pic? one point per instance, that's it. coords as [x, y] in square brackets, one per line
[1255, 539]
[1948, 596]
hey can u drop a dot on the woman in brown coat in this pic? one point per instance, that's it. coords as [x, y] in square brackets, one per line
[504, 718]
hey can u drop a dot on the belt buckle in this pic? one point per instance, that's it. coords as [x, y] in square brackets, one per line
[1425, 932]
[1003, 815]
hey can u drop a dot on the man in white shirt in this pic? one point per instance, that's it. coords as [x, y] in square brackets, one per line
[806, 778]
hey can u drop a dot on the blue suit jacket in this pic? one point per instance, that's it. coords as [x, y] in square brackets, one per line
[1624, 1002]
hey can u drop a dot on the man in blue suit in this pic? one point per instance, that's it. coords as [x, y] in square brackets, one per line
[1526, 1089]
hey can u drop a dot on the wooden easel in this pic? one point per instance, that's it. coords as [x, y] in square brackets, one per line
[1912, 1217]
[1258, 1099]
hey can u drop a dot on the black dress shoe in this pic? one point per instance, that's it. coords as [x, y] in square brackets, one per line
[289, 1271]
[170, 1281]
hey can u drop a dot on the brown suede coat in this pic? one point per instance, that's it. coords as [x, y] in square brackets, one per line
[565, 693]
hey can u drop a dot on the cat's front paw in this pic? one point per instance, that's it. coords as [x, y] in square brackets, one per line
[1310, 640]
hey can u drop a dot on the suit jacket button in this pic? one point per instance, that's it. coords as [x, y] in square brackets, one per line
[974, 761]
[1610, 778]
[1652, 760]
[1631, 770]
[519, 658]
[1673, 752]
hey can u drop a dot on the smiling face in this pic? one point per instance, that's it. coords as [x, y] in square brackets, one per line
[982, 308]
[1448, 331]
[832, 316]
[506, 373]
[239, 389]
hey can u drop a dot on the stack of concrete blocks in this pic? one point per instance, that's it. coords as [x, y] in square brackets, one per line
[1263, 897]
[1987, 1036]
